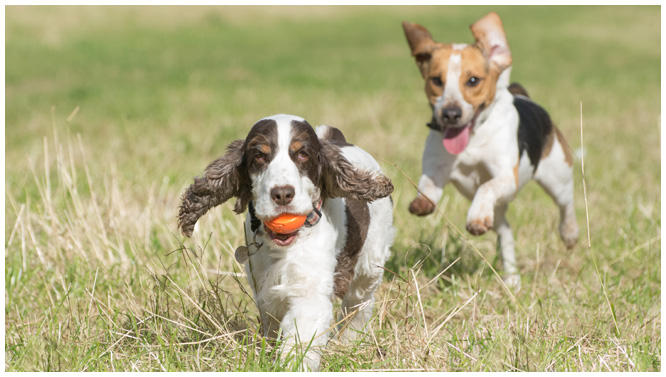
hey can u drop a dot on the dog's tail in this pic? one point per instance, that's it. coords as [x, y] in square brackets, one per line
[516, 88]
[331, 134]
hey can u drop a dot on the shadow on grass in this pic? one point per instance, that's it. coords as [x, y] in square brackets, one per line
[432, 255]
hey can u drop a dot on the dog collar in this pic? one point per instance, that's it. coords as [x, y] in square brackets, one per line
[311, 220]
[433, 124]
[314, 216]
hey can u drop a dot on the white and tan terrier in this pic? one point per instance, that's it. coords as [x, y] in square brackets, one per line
[486, 137]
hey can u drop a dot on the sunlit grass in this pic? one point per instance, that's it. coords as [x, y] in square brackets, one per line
[110, 113]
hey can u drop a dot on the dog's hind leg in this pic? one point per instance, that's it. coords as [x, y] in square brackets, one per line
[507, 247]
[555, 175]
[358, 302]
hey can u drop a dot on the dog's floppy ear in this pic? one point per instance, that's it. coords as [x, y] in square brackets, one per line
[421, 43]
[223, 179]
[491, 39]
[339, 178]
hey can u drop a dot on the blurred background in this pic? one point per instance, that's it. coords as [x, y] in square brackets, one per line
[111, 111]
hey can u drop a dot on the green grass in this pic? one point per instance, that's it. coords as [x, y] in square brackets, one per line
[111, 111]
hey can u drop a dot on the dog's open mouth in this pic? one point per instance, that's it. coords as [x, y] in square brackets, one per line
[281, 239]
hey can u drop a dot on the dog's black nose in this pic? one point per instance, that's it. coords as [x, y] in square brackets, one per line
[451, 114]
[283, 195]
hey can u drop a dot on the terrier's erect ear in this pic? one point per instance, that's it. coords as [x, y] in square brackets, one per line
[340, 179]
[223, 179]
[421, 43]
[491, 39]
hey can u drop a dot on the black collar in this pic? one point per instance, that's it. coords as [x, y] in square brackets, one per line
[313, 217]
[433, 125]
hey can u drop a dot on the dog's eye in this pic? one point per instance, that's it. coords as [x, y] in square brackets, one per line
[260, 157]
[473, 81]
[302, 155]
[437, 81]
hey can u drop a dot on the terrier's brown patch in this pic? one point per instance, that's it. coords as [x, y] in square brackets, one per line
[565, 147]
[515, 173]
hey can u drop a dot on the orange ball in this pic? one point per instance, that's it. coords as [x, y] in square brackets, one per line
[286, 223]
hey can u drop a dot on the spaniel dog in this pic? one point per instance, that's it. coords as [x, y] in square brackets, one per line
[285, 167]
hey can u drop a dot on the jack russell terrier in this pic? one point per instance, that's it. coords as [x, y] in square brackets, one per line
[486, 137]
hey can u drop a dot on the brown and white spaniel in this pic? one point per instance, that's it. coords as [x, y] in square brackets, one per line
[284, 166]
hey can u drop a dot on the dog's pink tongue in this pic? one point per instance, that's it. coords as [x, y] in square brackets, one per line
[456, 139]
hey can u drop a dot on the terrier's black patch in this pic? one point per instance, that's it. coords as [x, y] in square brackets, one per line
[533, 130]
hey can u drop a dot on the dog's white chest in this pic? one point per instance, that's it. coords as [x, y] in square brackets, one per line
[467, 176]
[295, 271]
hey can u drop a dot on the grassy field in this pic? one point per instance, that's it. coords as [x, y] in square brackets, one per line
[111, 111]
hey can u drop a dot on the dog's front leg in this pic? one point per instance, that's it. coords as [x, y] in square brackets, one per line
[305, 326]
[494, 192]
[436, 167]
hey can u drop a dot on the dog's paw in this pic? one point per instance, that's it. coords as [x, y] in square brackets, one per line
[477, 226]
[569, 234]
[570, 242]
[512, 281]
[421, 206]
